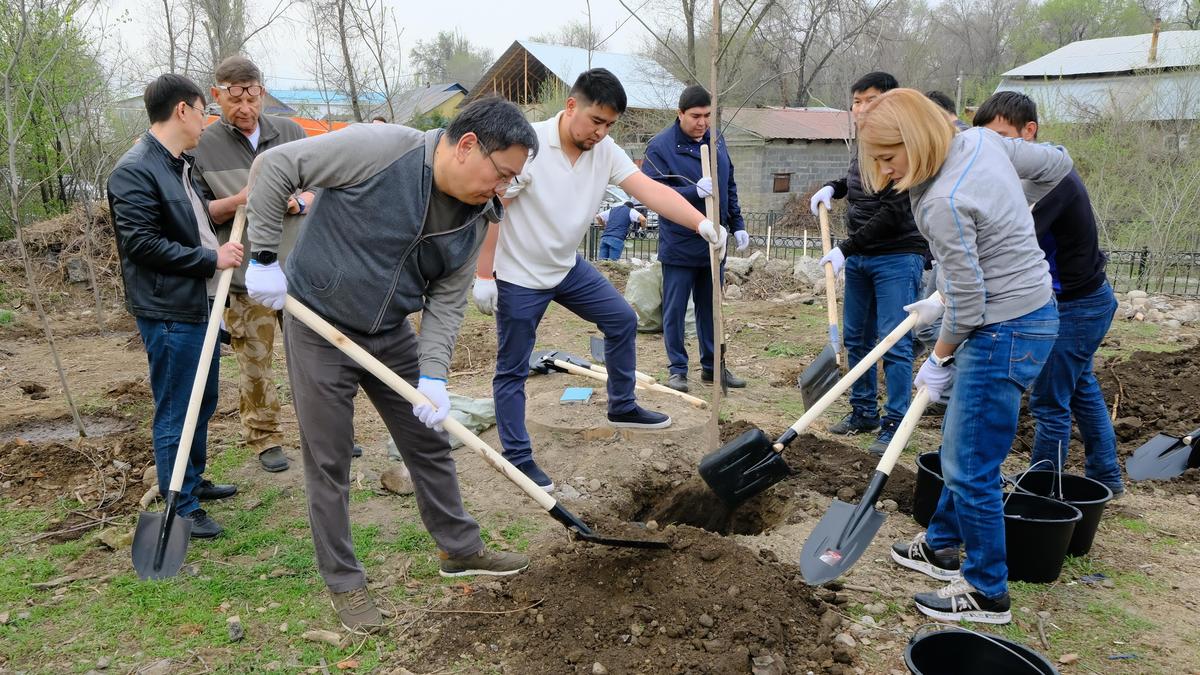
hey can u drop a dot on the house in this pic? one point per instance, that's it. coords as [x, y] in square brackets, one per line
[435, 100]
[321, 105]
[1153, 77]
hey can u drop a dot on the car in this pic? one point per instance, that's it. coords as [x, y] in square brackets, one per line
[615, 196]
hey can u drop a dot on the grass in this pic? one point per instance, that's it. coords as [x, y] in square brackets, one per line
[7, 317]
[785, 350]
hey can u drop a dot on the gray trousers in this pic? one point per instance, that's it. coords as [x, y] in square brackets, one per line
[324, 384]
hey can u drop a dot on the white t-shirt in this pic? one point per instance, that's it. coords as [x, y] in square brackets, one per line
[555, 204]
[253, 137]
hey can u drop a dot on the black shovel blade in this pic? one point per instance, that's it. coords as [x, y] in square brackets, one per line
[597, 345]
[819, 377]
[542, 363]
[837, 542]
[743, 467]
[160, 544]
[1161, 458]
[582, 531]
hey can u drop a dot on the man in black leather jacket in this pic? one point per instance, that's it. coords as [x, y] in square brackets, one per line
[169, 259]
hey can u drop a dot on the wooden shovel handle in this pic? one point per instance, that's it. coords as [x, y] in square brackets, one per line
[455, 428]
[603, 377]
[641, 377]
[916, 408]
[188, 433]
[830, 285]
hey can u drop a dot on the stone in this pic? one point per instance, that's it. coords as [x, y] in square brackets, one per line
[890, 506]
[150, 475]
[769, 664]
[594, 484]
[1138, 316]
[1137, 294]
[733, 292]
[327, 636]
[599, 669]
[706, 621]
[568, 491]
[758, 261]
[77, 272]
[1155, 316]
[397, 480]
[652, 525]
[116, 538]
[159, 667]
[709, 554]
[1139, 303]
[103, 662]
[646, 454]
[845, 640]
[236, 631]
[1193, 500]
[661, 467]
[875, 608]
[1173, 324]
[740, 266]
[846, 494]
[1068, 659]
[715, 646]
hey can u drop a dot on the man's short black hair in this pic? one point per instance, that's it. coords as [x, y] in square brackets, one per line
[876, 80]
[1015, 107]
[942, 100]
[601, 87]
[496, 122]
[165, 92]
[694, 96]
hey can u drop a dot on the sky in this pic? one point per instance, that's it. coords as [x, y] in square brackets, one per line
[282, 50]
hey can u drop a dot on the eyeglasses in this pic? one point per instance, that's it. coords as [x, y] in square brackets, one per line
[502, 180]
[254, 90]
[200, 109]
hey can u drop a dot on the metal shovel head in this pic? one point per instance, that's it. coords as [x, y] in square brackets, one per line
[149, 536]
[743, 467]
[1160, 458]
[597, 345]
[582, 531]
[837, 543]
[542, 363]
[819, 377]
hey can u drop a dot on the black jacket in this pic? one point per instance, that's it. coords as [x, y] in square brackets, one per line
[1066, 231]
[163, 264]
[878, 224]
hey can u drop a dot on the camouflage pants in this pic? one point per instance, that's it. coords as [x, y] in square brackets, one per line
[252, 329]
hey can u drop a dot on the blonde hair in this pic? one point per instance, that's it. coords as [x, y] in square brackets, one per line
[903, 117]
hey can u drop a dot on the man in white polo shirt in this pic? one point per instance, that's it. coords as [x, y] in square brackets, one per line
[535, 261]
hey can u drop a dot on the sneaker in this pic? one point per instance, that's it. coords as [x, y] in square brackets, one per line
[357, 611]
[356, 451]
[678, 382]
[208, 491]
[639, 418]
[959, 601]
[273, 460]
[492, 563]
[203, 527]
[886, 433]
[916, 555]
[855, 423]
[732, 381]
[535, 474]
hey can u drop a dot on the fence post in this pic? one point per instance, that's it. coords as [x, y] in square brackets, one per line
[1142, 264]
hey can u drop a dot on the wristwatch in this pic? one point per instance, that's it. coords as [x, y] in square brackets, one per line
[265, 257]
[941, 362]
[301, 204]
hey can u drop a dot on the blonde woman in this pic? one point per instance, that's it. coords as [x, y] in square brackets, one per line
[1000, 322]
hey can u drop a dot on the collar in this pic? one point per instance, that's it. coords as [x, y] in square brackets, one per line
[555, 137]
[682, 138]
[266, 130]
[154, 145]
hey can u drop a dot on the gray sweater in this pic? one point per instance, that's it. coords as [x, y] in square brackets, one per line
[366, 258]
[975, 214]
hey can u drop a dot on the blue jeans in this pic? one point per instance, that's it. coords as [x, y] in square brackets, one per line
[1068, 385]
[519, 310]
[679, 282]
[173, 349]
[994, 366]
[877, 289]
[611, 248]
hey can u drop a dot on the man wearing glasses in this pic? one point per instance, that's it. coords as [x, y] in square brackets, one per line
[169, 259]
[223, 159]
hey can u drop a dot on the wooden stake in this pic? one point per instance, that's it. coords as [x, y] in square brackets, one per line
[713, 206]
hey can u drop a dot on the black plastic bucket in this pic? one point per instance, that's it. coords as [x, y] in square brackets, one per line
[1087, 495]
[956, 652]
[1037, 532]
[928, 489]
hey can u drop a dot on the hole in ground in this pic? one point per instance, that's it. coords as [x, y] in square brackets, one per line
[693, 503]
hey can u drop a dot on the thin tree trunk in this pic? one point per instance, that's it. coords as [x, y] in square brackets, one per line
[344, 41]
[689, 20]
[714, 129]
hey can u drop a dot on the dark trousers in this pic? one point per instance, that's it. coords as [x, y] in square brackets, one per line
[679, 282]
[173, 350]
[519, 310]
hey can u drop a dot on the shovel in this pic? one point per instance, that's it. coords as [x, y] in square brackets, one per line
[750, 463]
[544, 362]
[845, 531]
[823, 372]
[597, 346]
[1164, 457]
[160, 542]
[456, 429]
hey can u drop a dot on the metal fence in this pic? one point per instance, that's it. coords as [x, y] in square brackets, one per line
[787, 239]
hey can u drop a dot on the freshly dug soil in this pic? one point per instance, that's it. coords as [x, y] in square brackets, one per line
[706, 605]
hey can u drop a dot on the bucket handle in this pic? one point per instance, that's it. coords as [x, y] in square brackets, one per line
[930, 628]
[1016, 482]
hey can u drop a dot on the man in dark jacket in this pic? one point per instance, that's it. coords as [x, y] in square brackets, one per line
[883, 256]
[169, 259]
[673, 158]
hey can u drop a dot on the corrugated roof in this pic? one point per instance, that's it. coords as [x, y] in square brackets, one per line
[792, 123]
[419, 101]
[1156, 96]
[1176, 49]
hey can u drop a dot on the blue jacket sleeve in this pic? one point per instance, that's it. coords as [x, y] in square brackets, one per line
[734, 210]
[656, 166]
[135, 220]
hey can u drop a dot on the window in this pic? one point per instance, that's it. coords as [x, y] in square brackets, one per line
[783, 182]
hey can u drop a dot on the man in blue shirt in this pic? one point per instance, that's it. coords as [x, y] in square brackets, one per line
[673, 158]
[618, 222]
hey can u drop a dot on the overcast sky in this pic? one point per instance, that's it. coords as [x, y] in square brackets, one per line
[282, 51]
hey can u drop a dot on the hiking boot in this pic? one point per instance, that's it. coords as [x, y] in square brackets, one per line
[273, 460]
[357, 611]
[678, 382]
[208, 491]
[855, 423]
[916, 555]
[535, 474]
[639, 418]
[732, 381]
[203, 527]
[959, 601]
[886, 433]
[492, 563]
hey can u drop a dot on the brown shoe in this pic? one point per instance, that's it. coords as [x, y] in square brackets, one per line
[357, 611]
[487, 562]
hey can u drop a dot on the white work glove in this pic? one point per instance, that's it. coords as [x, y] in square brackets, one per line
[704, 187]
[822, 196]
[742, 239]
[834, 257]
[266, 285]
[433, 415]
[712, 236]
[928, 310]
[485, 295]
[934, 378]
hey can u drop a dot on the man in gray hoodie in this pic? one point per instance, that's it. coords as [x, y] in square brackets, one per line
[397, 230]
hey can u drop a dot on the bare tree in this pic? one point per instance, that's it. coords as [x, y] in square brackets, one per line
[371, 24]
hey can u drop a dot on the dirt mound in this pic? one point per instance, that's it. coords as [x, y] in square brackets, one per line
[705, 606]
[1158, 392]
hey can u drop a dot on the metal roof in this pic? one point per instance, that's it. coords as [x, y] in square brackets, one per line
[791, 123]
[1176, 49]
[1157, 96]
[419, 101]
